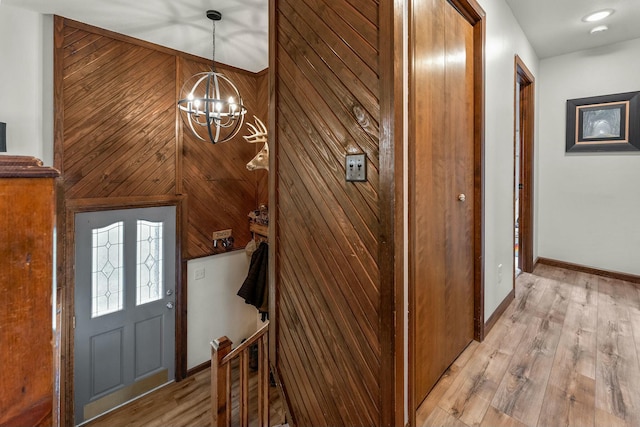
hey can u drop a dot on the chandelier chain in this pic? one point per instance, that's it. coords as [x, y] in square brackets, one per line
[213, 49]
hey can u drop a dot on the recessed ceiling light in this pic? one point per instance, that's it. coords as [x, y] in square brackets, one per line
[599, 29]
[597, 16]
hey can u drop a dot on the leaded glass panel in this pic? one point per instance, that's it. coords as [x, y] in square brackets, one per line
[149, 262]
[107, 281]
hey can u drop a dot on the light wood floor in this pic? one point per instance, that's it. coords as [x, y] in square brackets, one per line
[565, 353]
[187, 404]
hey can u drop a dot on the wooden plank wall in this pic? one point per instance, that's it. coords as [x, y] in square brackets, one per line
[119, 136]
[119, 142]
[262, 177]
[220, 190]
[329, 292]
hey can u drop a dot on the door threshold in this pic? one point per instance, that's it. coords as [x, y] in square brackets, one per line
[125, 403]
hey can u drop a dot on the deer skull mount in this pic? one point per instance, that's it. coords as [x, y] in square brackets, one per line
[258, 134]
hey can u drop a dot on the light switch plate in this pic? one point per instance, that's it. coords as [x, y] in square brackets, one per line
[356, 165]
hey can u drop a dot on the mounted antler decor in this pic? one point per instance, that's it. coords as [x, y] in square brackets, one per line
[258, 134]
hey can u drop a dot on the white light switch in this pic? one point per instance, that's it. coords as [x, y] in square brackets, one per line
[356, 165]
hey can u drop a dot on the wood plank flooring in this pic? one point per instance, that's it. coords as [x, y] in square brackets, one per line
[187, 404]
[565, 353]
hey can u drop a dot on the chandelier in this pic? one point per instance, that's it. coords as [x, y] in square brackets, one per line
[210, 104]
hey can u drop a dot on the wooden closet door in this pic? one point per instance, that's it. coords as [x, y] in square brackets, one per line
[441, 195]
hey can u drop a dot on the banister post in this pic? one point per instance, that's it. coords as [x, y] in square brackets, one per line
[219, 383]
[263, 381]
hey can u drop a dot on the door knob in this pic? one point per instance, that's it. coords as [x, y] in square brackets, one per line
[170, 305]
[462, 197]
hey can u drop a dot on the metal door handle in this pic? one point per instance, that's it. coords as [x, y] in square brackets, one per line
[170, 305]
[462, 197]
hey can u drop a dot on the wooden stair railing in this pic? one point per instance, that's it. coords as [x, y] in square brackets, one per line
[221, 358]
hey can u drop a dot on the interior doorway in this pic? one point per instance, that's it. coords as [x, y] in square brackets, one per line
[524, 107]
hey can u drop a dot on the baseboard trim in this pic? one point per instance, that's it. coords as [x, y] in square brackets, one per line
[491, 321]
[584, 269]
[200, 367]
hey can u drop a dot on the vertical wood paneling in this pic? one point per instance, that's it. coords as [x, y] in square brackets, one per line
[392, 212]
[262, 103]
[328, 308]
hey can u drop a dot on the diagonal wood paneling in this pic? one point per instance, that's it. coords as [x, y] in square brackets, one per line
[221, 191]
[328, 283]
[119, 131]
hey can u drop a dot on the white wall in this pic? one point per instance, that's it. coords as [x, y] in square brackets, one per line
[26, 82]
[504, 40]
[213, 308]
[589, 204]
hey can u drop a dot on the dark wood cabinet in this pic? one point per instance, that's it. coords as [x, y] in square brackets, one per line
[26, 285]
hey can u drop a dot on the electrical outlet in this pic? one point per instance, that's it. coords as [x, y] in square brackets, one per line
[199, 273]
[499, 273]
[222, 234]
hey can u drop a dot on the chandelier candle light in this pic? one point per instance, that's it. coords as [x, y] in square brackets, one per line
[210, 104]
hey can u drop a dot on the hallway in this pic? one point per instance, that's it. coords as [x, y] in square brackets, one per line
[565, 353]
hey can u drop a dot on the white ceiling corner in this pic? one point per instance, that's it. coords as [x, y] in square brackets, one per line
[555, 27]
[241, 36]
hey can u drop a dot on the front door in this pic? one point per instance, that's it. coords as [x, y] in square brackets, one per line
[124, 296]
[441, 197]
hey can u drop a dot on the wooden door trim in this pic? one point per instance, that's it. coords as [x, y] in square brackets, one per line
[273, 188]
[274, 208]
[475, 15]
[526, 95]
[66, 284]
[391, 208]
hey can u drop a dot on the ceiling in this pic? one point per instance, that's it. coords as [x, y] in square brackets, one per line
[241, 36]
[553, 27]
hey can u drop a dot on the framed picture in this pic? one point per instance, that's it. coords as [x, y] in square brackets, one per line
[604, 123]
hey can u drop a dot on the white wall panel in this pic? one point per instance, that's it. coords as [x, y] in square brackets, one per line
[589, 203]
[213, 308]
[26, 82]
[504, 40]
